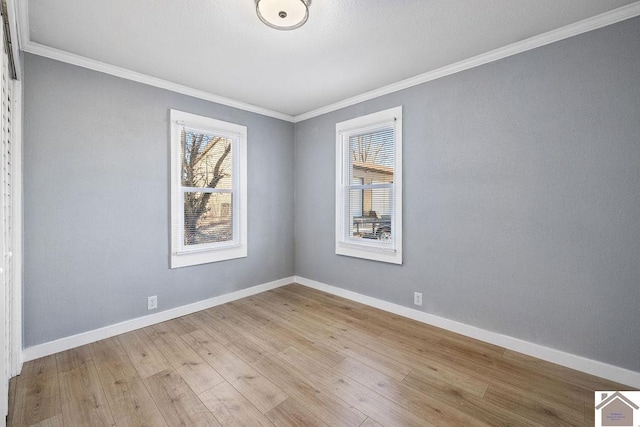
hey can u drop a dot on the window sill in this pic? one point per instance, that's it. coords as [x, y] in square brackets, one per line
[186, 259]
[373, 253]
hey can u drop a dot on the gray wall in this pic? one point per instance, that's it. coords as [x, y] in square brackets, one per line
[521, 197]
[96, 202]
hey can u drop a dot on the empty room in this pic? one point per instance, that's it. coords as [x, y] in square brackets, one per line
[320, 213]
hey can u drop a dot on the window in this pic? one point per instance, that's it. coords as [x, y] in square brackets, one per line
[208, 190]
[369, 186]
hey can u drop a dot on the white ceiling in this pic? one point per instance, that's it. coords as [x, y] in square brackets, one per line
[348, 47]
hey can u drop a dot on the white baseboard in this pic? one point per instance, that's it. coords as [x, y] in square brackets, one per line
[593, 367]
[73, 341]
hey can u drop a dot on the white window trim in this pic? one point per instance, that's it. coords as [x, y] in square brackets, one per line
[221, 252]
[369, 250]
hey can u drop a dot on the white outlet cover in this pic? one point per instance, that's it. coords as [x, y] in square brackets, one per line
[417, 298]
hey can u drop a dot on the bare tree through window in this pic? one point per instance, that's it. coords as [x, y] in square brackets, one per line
[371, 148]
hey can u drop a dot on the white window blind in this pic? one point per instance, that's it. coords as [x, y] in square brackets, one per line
[371, 163]
[208, 194]
[368, 190]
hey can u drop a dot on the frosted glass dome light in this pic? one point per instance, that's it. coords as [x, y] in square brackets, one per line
[283, 14]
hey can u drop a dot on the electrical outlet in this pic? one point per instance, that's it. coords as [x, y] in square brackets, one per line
[152, 302]
[417, 298]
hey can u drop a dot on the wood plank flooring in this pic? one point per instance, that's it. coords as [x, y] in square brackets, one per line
[295, 356]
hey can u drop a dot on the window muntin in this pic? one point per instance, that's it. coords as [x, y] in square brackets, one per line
[208, 190]
[368, 190]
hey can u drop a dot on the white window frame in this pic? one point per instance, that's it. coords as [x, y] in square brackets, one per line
[345, 243]
[182, 256]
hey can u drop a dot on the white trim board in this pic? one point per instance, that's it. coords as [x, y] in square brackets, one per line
[78, 340]
[18, 252]
[604, 19]
[593, 367]
[91, 64]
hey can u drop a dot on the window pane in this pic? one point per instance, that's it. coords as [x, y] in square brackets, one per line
[206, 160]
[370, 211]
[207, 218]
[372, 156]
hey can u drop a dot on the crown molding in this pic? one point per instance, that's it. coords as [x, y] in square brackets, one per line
[608, 18]
[22, 21]
[604, 19]
[81, 61]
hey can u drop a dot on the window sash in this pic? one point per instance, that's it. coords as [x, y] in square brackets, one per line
[234, 242]
[349, 222]
[347, 225]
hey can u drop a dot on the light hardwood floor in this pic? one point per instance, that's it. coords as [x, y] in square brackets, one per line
[295, 356]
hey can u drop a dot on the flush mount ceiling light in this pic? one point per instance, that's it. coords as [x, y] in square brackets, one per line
[283, 14]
